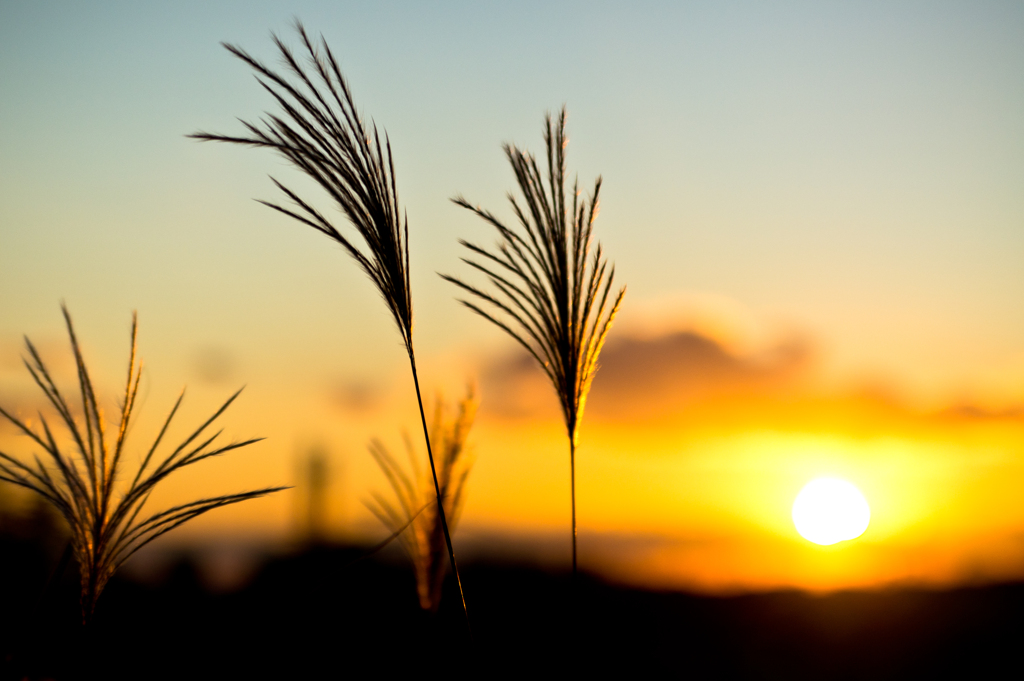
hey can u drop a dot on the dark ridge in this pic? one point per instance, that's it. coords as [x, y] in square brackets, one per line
[320, 614]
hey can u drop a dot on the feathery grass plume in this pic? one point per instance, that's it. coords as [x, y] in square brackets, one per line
[322, 135]
[82, 479]
[547, 295]
[423, 537]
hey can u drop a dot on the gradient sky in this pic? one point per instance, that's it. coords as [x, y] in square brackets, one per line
[845, 179]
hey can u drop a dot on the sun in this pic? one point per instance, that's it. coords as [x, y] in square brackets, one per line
[830, 510]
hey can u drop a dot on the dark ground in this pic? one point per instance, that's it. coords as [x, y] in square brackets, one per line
[316, 615]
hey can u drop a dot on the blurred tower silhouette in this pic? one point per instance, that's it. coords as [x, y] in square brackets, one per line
[314, 480]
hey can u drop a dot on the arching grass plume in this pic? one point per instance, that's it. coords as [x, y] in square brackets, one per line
[548, 291]
[320, 132]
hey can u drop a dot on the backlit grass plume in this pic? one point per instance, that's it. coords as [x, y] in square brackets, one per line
[412, 511]
[85, 479]
[321, 133]
[549, 292]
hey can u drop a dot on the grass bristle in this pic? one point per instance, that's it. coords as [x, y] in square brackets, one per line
[549, 292]
[82, 481]
[321, 134]
[412, 514]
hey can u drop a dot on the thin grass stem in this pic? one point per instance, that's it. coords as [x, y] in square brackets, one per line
[572, 477]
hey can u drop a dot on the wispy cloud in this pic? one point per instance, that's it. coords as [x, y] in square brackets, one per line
[692, 384]
[643, 378]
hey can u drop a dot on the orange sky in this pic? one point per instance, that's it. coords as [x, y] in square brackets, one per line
[702, 451]
[816, 209]
[692, 451]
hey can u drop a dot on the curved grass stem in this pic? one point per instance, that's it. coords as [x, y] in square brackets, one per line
[323, 136]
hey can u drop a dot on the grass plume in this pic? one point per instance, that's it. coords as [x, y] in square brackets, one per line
[549, 292]
[82, 481]
[321, 133]
[417, 522]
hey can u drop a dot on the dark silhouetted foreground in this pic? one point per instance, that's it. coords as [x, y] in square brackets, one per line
[316, 615]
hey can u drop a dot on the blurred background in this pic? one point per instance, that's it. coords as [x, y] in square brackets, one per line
[816, 207]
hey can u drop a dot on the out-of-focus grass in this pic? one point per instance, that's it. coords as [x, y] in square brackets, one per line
[412, 515]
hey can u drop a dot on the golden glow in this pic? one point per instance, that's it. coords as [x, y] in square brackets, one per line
[675, 489]
[829, 510]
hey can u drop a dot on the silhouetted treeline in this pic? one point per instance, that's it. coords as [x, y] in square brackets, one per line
[318, 614]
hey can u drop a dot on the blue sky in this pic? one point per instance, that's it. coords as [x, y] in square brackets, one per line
[850, 173]
[853, 169]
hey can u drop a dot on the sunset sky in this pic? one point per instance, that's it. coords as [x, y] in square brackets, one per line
[818, 210]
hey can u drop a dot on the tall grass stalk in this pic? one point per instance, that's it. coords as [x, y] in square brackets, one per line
[420, 527]
[85, 482]
[549, 293]
[321, 133]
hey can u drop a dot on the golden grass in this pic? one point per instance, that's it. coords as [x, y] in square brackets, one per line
[322, 135]
[546, 294]
[411, 514]
[82, 482]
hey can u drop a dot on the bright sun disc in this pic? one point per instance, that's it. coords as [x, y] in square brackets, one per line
[829, 510]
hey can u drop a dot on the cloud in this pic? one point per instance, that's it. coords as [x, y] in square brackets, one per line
[10, 354]
[737, 328]
[18, 393]
[55, 352]
[656, 376]
[356, 395]
[652, 377]
[687, 382]
[214, 364]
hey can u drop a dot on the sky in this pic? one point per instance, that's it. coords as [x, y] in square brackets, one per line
[816, 207]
